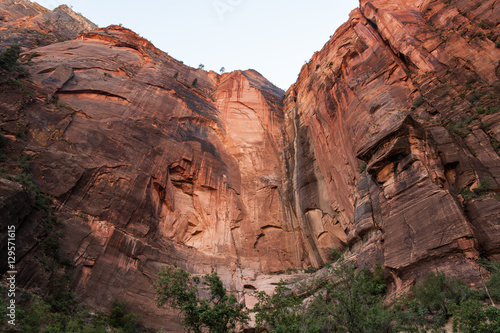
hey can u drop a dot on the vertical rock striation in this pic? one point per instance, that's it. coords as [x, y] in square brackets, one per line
[152, 162]
[409, 92]
[385, 147]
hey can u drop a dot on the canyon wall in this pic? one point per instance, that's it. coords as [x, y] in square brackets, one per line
[385, 148]
[397, 119]
[151, 162]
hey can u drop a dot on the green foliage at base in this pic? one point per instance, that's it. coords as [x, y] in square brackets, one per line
[493, 283]
[353, 301]
[220, 313]
[431, 302]
[121, 319]
[472, 317]
[282, 311]
[64, 313]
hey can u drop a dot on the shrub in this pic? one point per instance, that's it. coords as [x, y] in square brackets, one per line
[220, 313]
[121, 318]
[493, 109]
[3, 141]
[495, 144]
[437, 292]
[24, 162]
[460, 127]
[470, 82]
[479, 34]
[418, 102]
[482, 189]
[483, 24]
[18, 84]
[362, 167]
[474, 97]
[431, 302]
[8, 58]
[195, 82]
[352, 301]
[335, 254]
[37, 315]
[348, 302]
[60, 298]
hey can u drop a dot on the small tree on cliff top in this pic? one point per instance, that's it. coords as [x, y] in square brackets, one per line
[220, 313]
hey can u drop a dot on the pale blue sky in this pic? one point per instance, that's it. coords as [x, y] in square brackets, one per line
[273, 37]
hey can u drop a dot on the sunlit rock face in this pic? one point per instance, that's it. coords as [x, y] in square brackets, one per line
[372, 152]
[31, 25]
[153, 162]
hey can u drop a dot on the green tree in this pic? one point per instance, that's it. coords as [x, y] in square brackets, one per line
[220, 313]
[123, 320]
[472, 317]
[280, 312]
[352, 301]
[493, 284]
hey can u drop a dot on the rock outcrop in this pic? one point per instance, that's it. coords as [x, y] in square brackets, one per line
[386, 148]
[409, 92]
[31, 25]
[152, 162]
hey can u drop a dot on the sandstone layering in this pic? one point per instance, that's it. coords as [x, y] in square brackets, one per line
[386, 147]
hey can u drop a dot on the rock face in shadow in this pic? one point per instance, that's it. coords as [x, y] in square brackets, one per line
[386, 148]
[398, 115]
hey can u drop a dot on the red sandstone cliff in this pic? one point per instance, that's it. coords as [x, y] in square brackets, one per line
[153, 162]
[410, 89]
[31, 25]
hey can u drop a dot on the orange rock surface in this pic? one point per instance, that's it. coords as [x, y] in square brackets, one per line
[408, 90]
[386, 148]
[31, 25]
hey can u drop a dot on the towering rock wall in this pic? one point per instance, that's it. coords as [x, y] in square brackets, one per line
[152, 162]
[385, 147]
[407, 90]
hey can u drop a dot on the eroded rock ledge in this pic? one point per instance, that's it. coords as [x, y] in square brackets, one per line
[370, 152]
